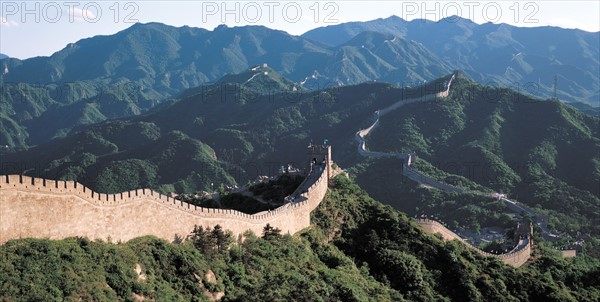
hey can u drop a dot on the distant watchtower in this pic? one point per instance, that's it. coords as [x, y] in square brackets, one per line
[319, 153]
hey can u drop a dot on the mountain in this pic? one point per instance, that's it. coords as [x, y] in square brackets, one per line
[334, 35]
[586, 108]
[387, 58]
[543, 153]
[148, 63]
[3, 56]
[164, 58]
[36, 113]
[229, 134]
[242, 128]
[356, 250]
[128, 73]
[260, 77]
[132, 71]
[526, 59]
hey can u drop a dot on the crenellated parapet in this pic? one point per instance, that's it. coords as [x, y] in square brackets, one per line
[517, 257]
[522, 251]
[56, 209]
[361, 135]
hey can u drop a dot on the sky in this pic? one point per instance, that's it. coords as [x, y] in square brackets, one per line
[40, 28]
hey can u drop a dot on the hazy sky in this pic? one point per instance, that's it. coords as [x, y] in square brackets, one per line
[40, 28]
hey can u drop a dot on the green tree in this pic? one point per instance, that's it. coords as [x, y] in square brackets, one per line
[270, 233]
[221, 190]
[405, 272]
[222, 239]
[203, 239]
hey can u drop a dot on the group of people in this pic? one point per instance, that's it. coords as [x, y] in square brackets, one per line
[321, 165]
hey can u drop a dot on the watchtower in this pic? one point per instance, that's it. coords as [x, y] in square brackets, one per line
[318, 155]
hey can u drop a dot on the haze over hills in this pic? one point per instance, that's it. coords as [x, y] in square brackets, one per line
[131, 71]
[500, 53]
[147, 63]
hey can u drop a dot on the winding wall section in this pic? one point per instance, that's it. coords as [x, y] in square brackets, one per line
[516, 257]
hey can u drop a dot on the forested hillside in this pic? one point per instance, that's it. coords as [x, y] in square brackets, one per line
[131, 71]
[127, 73]
[522, 58]
[543, 153]
[357, 250]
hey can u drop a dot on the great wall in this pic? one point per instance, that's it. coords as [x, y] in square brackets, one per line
[522, 251]
[42, 208]
[517, 257]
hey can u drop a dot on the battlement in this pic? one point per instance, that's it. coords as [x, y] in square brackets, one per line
[45, 208]
[517, 257]
[319, 149]
[320, 155]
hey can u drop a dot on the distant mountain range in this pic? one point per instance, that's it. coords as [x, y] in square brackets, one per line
[169, 59]
[137, 68]
[3, 56]
[519, 57]
[132, 71]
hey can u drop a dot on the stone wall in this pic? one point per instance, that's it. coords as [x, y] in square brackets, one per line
[363, 133]
[517, 257]
[42, 208]
[569, 253]
[428, 181]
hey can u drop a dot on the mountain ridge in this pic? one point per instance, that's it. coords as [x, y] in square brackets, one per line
[486, 52]
[150, 63]
[237, 136]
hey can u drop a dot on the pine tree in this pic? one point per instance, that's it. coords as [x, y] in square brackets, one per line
[270, 232]
[202, 239]
[221, 238]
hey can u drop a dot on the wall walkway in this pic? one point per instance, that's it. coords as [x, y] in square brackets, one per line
[43, 208]
[515, 258]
